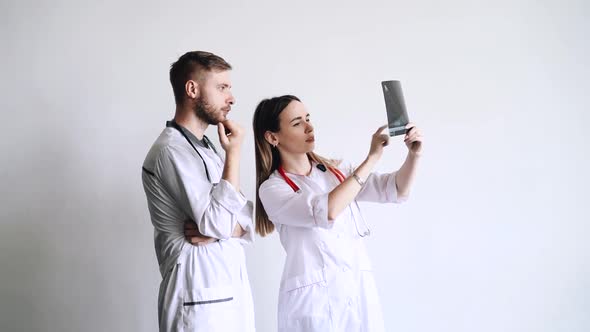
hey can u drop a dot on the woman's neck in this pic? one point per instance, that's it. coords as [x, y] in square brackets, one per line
[296, 164]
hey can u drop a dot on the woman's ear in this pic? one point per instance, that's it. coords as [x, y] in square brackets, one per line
[271, 138]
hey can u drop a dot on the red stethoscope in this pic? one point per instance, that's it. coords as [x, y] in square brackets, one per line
[340, 178]
[296, 188]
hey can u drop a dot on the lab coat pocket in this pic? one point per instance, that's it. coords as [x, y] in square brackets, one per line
[210, 309]
[304, 304]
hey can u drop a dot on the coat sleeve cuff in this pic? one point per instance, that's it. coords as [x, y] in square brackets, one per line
[245, 221]
[319, 205]
[227, 196]
[391, 190]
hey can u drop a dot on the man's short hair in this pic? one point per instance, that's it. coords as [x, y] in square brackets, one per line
[192, 65]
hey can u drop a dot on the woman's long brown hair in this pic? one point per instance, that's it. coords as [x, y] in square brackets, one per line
[268, 159]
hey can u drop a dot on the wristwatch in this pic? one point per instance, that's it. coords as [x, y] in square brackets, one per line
[358, 179]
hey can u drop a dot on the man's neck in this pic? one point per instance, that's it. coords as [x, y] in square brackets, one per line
[296, 164]
[187, 118]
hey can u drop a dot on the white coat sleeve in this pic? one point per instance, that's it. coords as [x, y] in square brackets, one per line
[214, 208]
[285, 206]
[378, 187]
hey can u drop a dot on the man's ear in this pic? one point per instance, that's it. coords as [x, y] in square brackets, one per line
[271, 138]
[191, 88]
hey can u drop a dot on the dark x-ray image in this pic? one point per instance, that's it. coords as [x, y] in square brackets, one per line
[397, 116]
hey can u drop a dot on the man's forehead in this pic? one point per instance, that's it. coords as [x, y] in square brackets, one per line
[218, 77]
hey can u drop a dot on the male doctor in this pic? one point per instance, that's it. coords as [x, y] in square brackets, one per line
[205, 286]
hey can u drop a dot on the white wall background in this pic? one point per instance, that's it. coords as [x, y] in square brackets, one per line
[495, 237]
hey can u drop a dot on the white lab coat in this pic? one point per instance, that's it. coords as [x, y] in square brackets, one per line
[203, 288]
[327, 283]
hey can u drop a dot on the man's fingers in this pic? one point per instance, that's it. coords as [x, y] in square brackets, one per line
[192, 232]
[194, 240]
[232, 128]
[229, 124]
[189, 224]
[220, 129]
[199, 241]
[206, 242]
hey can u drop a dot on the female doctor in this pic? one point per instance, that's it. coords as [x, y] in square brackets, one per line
[327, 282]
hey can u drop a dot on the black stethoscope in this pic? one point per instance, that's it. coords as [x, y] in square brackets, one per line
[176, 126]
[340, 178]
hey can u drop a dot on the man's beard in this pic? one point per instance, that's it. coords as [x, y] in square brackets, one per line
[206, 112]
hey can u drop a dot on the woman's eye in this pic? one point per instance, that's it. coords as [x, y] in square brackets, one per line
[295, 125]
